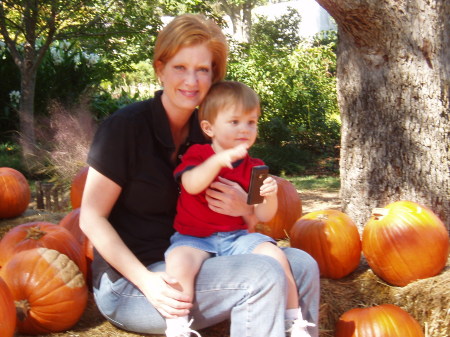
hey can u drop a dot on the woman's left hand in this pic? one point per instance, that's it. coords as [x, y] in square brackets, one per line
[229, 198]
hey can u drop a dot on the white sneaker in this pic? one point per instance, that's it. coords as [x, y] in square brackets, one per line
[298, 327]
[181, 330]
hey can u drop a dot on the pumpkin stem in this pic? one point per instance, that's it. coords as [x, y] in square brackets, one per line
[22, 308]
[35, 233]
[379, 213]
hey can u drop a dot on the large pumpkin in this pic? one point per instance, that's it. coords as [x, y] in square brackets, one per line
[404, 242]
[331, 238]
[77, 187]
[289, 210]
[71, 222]
[41, 234]
[14, 193]
[386, 320]
[48, 289]
[7, 311]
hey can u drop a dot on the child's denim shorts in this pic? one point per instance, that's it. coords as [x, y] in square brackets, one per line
[222, 243]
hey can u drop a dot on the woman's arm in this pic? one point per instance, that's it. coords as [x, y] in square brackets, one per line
[99, 196]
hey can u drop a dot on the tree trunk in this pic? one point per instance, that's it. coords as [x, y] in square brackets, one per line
[26, 109]
[393, 88]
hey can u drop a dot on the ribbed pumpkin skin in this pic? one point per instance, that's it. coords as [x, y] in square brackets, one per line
[48, 288]
[289, 210]
[15, 193]
[384, 320]
[7, 311]
[71, 222]
[41, 234]
[407, 243]
[331, 238]
[77, 187]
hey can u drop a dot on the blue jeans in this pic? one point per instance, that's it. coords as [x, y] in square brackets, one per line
[221, 243]
[250, 290]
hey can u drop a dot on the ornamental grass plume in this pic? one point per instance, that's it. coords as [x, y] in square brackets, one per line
[64, 140]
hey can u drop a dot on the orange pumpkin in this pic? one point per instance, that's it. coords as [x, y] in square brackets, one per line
[41, 234]
[386, 320]
[404, 242]
[48, 289]
[331, 238]
[71, 222]
[7, 311]
[77, 187]
[15, 193]
[289, 210]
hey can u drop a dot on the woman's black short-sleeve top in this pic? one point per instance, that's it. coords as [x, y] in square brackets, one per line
[133, 148]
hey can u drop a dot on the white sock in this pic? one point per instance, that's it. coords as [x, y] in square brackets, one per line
[176, 321]
[291, 314]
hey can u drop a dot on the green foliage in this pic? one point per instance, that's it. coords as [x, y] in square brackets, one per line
[287, 159]
[10, 81]
[104, 103]
[296, 82]
[10, 156]
[66, 73]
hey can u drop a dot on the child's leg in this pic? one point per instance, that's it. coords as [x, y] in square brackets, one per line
[183, 264]
[268, 248]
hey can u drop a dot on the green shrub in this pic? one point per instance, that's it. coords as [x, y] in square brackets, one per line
[296, 81]
[10, 156]
[67, 72]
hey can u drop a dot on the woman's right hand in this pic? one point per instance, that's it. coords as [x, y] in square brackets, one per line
[159, 288]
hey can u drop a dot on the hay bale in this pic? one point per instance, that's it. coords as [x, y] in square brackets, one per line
[426, 300]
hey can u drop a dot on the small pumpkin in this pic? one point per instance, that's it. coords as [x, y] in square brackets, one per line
[71, 222]
[48, 288]
[15, 193]
[386, 320]
[331, 238]
[41, 234]
[289, 210]
[77, 187]
[7, 311]
[404, 242]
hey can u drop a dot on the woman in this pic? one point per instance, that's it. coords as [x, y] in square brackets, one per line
[130, 198]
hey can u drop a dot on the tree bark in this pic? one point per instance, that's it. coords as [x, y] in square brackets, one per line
[393, 89]
[26, 112]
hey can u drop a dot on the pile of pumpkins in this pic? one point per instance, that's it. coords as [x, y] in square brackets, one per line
[44, 267]
[402, 242]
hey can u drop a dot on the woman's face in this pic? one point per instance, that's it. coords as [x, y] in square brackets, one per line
[186, 78]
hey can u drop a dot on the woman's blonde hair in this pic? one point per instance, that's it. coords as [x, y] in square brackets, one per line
[224, 94]
[188, 30]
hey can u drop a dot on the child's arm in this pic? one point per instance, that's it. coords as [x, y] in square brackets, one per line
[200, 177]
[267, 209]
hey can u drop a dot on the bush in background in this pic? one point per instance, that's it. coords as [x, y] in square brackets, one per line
[295, 79]
[66, 74]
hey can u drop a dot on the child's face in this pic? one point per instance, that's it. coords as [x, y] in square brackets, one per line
[233, 127]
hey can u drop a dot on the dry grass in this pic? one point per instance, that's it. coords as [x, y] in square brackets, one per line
[426, 300]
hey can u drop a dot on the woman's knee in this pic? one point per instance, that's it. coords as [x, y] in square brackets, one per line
[266, 270]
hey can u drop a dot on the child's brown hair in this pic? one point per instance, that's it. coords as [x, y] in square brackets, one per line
[228, 93]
